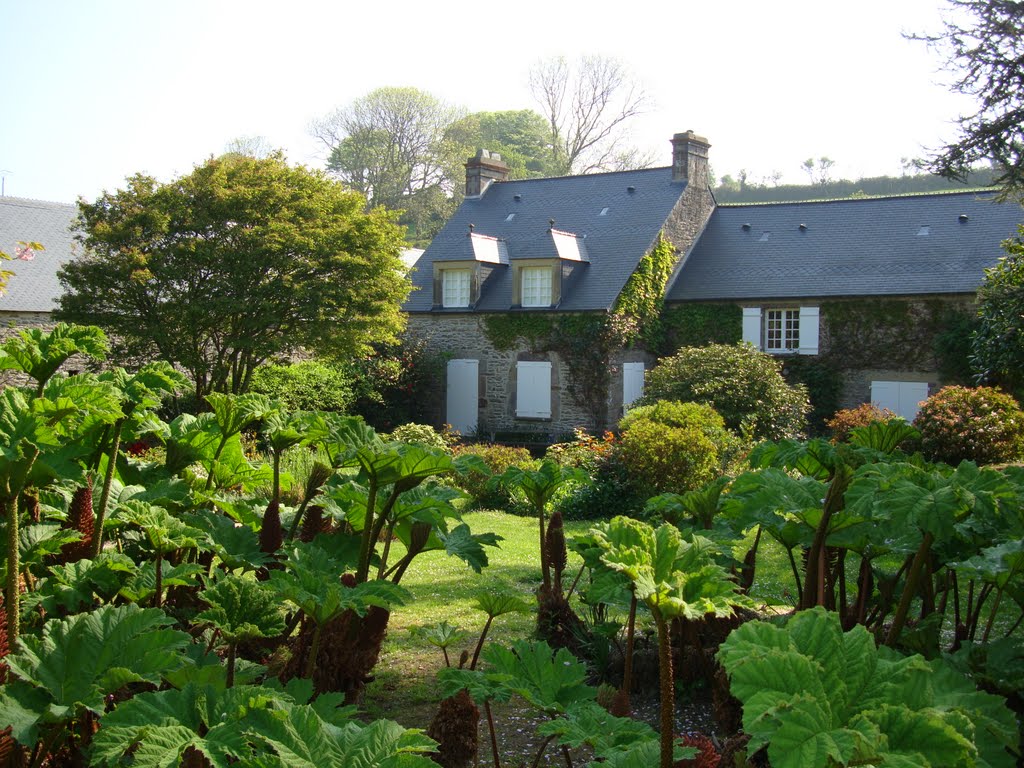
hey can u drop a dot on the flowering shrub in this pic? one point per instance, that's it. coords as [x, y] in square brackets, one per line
[675, 447]
[979, 424]
[585, 452]
[850, 418]
[609, 492]
[419, 434]
[498, 458]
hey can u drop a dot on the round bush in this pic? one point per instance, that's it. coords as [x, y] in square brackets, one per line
[419, 434]
[743, 385]
[979, 424]
[498, 458]
[310, 385]
[847, 419]
[674, 447]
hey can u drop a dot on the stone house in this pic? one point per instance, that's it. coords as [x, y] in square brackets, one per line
[524, 290]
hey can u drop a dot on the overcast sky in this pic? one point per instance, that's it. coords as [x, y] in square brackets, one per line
[93, 91]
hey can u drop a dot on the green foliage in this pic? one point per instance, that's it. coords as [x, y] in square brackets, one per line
[823, 381]
[816, 696]
[419, 434]
[78, 661]
[674, 447]
[998, 344]
[696, 325]
[638, 308]
[241, 261]
[504, 329]
[743, 385]
[392, 385]
[240, 609]
[309, 385]
[974, 424]
[497, 458]
[39, 353]
[953, 347]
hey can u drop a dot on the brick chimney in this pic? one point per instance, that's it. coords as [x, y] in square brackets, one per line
[482, 170]
[690, 157]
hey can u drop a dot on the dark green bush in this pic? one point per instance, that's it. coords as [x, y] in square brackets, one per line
[743, 385]
[610, 491]
[394, 386]
[674, 447]
[310, 385]
[498, 458]
[979, 424]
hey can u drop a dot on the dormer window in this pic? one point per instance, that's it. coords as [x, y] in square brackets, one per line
[455, 287]
[536, 286]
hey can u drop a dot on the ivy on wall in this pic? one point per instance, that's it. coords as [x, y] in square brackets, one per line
[697, 325]
[637, 312]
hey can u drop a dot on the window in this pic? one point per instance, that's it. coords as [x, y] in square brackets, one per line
[455, 288]
[533, 390]
[632, 384]
[536, 286]
[462, 396]
[782, 330]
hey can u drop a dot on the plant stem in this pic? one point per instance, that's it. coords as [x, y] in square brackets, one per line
[108, 479]
[796, 577]
[231, 665]
[544, 570]
[159, 579]
[540, 752]
[992, 616]
[480, 642]
[364, 544]
[314, 650]
[490, 728]
[834, 502]
[909, 589]
[627, 670]
[13, 592]
[666, 683]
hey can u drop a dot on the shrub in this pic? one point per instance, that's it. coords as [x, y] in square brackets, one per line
[674, 447]
[743, 385]
[310, 385]
[585, 452]
[979, 424]
[610, 490]
[394, 386]
[419, 434]
[849, 418]
[498, 458]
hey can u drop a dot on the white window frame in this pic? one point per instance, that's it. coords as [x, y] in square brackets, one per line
[533, 389]
[805, 328]
[781, 330]
[535, 285]
[456, 287]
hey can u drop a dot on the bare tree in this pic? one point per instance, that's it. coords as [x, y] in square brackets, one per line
[587, 108]
[389, 144]
[256, 147]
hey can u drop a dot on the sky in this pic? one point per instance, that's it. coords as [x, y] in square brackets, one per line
[94, 91]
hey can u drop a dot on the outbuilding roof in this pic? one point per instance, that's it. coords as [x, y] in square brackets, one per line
[34, 287]
[615, 217]
[904, 245]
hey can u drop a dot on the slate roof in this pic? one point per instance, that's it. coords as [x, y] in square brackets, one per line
[614, 242]
[34, 287]
[858, 247]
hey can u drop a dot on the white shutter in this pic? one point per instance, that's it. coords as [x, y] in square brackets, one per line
[912, 394]
[533, 390]
[462, 396]
[632, 383]
[809, 318]
[752, 325]
[901, 397]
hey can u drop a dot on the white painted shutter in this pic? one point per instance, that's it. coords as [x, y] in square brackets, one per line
[809, 318]
[632, 383]
[462, 396]
[912, 394]
[533, 390]
[901, 397]
[752, 325]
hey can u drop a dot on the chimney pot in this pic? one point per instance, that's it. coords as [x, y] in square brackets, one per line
[689, 157]
[482, 169]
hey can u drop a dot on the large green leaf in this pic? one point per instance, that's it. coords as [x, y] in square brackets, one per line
[39, 353]
[548, 680]
[588, 723]
[817, 696]
[80, 660]
[241, 608]
[73, 587]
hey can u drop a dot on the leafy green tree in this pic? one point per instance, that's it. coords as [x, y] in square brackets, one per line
[998, 343]
[521, 137]
[984, 50]
[239, 262]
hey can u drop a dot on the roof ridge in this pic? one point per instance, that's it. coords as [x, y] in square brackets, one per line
[583, 175]
[893, 196]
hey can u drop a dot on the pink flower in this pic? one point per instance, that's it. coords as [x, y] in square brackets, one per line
[24, 253]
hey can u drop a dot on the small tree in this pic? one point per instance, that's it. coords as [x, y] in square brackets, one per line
[998, 343]
[745, 387]
[241, 261]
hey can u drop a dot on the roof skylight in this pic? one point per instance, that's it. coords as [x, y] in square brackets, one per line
[924, 230]
[604, 212]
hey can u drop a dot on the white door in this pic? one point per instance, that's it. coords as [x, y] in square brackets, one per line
[632, 384]
[903, 398]
[463, 398]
